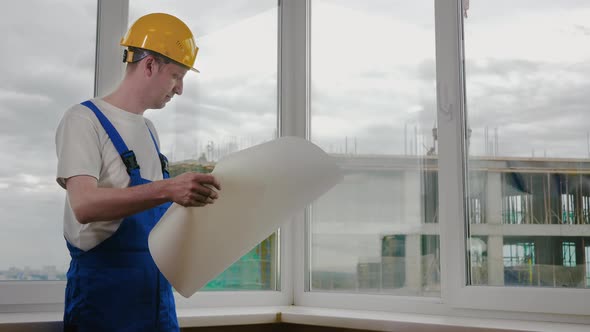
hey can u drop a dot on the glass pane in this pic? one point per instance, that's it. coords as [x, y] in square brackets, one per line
[230, 105]
[42, 76]
[529, 145]
[373, 107]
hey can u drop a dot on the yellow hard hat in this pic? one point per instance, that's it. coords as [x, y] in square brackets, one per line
[164, 34]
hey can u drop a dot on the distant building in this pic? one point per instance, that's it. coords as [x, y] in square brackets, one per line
[529, 221]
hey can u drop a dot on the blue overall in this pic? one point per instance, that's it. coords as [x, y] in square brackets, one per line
[116, 286]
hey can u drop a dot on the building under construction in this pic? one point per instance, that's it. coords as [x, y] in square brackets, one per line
[529, 222]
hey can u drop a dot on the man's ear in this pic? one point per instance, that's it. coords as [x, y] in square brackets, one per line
[150, 66]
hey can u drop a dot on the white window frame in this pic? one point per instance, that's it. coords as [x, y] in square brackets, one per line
[544, 303]
[112, 23]
[457, 299]
[206, 298]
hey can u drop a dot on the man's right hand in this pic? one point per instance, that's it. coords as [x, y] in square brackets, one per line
[194, 189]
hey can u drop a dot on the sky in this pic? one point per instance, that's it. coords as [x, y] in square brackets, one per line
[373, 79]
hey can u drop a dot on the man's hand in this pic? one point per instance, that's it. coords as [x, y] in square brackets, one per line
[194, 189]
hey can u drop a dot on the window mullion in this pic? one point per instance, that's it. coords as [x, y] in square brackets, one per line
[451, 167]
[111, 25]
[293, 68]
[294, 121]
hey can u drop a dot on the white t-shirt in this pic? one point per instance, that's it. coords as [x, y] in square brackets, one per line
[84, 148]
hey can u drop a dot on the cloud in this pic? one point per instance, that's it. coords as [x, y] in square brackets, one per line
[526, 101]
[203, 18]
[48, 65]
[233, 101]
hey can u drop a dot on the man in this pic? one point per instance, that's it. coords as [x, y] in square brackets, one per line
[118, 186]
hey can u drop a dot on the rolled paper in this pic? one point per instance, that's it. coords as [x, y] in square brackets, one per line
[262, 187]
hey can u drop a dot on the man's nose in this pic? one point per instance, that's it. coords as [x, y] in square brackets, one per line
[178, 88]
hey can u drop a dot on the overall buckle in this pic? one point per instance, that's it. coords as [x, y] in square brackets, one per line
[164, 163]
[130, 161]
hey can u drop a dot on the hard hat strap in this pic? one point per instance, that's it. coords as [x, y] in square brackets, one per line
[134, 54]
[127, 56]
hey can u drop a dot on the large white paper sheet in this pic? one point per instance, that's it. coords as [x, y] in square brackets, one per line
[262, 187]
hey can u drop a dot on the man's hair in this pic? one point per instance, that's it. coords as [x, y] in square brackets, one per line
[140, 53]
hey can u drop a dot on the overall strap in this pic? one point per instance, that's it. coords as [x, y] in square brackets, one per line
[128, 156]
[163, 159]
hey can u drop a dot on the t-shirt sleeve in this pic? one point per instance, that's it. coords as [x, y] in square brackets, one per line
[78, 146]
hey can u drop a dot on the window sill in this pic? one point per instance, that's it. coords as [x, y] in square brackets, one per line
[387, 321]
[196, 317]
[353, 319]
